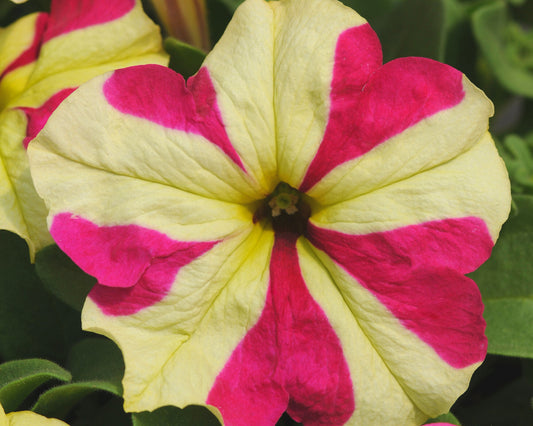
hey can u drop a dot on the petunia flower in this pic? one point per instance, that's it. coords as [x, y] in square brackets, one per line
[43, 58]
[286, 231]
[26, 418]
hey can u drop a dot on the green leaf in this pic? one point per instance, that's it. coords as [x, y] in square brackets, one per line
[509, 326]
[18, 379]
[10, 12]
[286, 420]
[219, 14]
[62, 277]
[460, 45]
[414, 28]
[507, 405]
[58, 402]
[373, 11]
[506, 284]
[100, 410]
[96, 365]
[518, 156]
[445, 418]
[193, 415]
[5, 9]
[507, 49]
[97, 359]
[184, 58]
[33, 323]
[231, 4]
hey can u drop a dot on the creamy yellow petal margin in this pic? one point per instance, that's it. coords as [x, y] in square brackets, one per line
[112, 145]
[241, 66]
[174, 350]
[385, 359]
[475, 183]
[304, 53]
[434, 140]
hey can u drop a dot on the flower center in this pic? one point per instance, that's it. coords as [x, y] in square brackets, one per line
[286, 209]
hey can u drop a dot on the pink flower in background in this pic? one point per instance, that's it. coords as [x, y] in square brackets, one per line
[289, 229]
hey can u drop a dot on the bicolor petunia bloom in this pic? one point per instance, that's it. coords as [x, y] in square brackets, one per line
[43, 58]
[26, 418]
[289, 229]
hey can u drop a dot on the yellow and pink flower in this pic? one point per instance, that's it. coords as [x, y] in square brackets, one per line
[289, 229]
[43, 58]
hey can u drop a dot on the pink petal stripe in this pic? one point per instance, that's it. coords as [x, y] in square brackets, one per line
[135, 266]
[439, 424]
[32, 52]
[160, 95]
[290, 360]
[365, 113]
[70, 15]
[37, 117]
[417, 273]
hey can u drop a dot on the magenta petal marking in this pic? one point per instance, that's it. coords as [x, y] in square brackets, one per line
[365, 113]
[32, 52]
[290, 360]
[158, 94]
[135, 266]
[70, 15]
[37, 117]
[417, 273]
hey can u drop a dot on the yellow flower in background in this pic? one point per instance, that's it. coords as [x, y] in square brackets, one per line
[43, 58]
[185, 20]
[27, 418]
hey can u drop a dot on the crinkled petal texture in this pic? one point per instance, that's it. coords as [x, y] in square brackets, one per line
[364, 319]
[43, 58]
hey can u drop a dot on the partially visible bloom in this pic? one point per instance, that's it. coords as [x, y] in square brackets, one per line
[185, 20]
[27, 418]
[43, 58]
[288, 230]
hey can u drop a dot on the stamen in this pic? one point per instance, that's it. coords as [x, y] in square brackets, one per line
[284, 201]
[286, 208]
